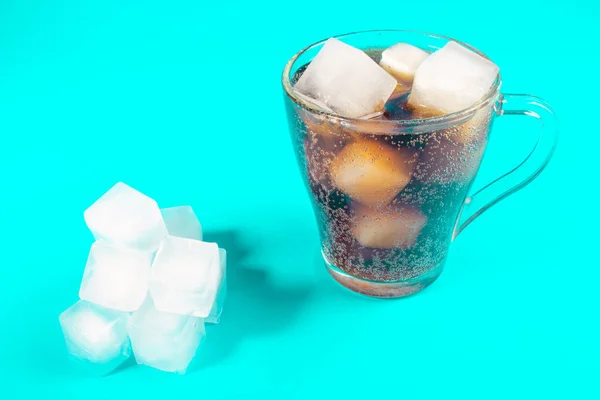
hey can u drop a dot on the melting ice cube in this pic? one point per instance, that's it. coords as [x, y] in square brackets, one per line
[402, 60]
[217, 308]
[372, 172]
[451, 79]
[346, 80]
[182, 222]
[96, 336]
[126, 217]
[164, 341]
[116, 277]
[388, 228]
[185, 276]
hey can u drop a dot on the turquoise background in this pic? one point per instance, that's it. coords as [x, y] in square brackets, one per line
[144, 92]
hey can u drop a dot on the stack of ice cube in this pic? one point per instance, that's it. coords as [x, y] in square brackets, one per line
[149, 286]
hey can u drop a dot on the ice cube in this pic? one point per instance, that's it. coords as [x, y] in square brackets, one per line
[96, 336]
[185, 276]
[116, 277]
[346, 80]
[402, 60]
[451, 79]
[182, 222]
[372, 172]
[387, 228]
[164, 341]
[319, 105]
[126, 217]
[217, 308]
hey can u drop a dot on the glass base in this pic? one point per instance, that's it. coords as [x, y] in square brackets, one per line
[383, 289]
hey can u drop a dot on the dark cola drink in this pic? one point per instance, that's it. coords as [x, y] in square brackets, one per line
[386, 191]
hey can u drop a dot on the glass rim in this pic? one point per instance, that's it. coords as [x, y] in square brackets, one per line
[458, 116]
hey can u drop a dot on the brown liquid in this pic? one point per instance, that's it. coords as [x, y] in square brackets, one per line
[386, 202]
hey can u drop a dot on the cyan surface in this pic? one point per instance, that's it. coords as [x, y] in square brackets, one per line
[144, 92]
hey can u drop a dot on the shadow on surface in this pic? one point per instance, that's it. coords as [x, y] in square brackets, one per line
[254, 304]
[130, 362]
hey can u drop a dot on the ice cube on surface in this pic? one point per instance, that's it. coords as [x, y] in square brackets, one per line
[346, 80]
[372, 172]
[217, 308]
[126, 217]
[96, 336]
[164, 341]
[182, 222]
[388, 228]
[116, 277]
[185, 276]
[451, 79]
[402, 60]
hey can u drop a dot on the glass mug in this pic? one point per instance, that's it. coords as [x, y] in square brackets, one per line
[391, 195]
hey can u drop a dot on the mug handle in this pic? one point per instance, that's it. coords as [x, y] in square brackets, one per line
[524, 173]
